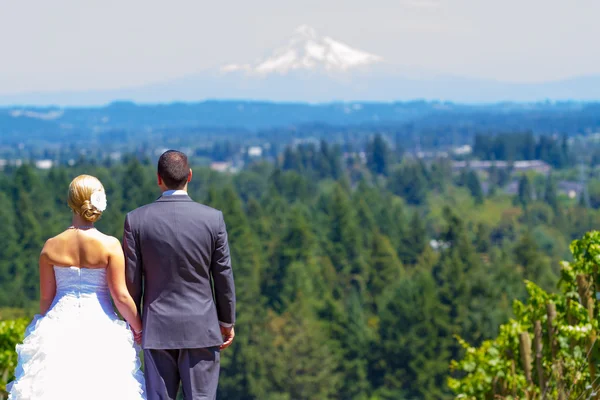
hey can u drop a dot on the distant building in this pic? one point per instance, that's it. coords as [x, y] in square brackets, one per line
[221, 166]
[3, 163]
[255, 151]
[463, 150]
[517, 166]
[44, 164]
[570, 188]
[430, 155]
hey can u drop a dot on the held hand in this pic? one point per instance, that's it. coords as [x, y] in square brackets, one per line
[228, 335]
[137, 336]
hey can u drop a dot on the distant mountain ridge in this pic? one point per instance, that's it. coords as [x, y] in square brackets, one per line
[538, 117]
[319, 69]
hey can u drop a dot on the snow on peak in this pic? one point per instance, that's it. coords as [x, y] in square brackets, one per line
[306, 50]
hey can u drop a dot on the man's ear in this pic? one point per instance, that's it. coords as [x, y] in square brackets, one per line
[160, 181]
[190, 176]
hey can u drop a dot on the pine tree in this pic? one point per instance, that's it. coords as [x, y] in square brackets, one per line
[141, 190]
[409, 182]
[291, 160]
[385, 269]
[472, 183]
[11, 270]
[550, 193]
[414, 345]
[463, 282]
[302, 362]
[414, 240]
[345, 250]
[31, 241]
[482, 238]
[535, 266]
[440, 174]
[257, 219]
[356, 340]
[293, 271]
[378, 155]
[366, 221]
[245, 364]
[525, 191]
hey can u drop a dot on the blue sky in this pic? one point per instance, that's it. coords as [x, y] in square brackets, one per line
[101, 44]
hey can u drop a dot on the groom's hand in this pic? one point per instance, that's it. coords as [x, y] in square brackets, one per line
[137, 336]
[228, 335]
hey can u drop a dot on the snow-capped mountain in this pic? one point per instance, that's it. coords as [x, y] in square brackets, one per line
[313, 68]
[306, 50]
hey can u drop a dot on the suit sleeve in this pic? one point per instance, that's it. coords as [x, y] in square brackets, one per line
[223, 277]
[133, 264]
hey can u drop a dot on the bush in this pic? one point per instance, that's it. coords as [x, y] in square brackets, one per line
[11, 334]
[549, 349]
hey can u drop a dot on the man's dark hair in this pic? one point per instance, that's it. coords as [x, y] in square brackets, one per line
[173, 169]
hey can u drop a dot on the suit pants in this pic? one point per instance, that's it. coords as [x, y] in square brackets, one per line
[196, 369]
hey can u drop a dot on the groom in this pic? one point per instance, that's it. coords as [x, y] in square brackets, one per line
[177, 260]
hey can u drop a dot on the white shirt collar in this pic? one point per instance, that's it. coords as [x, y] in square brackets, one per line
[174, 192]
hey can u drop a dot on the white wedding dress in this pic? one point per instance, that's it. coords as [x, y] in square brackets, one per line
[79, 349]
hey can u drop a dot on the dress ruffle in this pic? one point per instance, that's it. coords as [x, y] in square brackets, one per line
[70, 355]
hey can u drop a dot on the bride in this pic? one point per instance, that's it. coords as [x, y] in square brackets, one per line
[77, 347]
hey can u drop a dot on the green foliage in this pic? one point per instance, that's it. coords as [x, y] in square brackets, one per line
[412, 320]
[470, 180]
[550, 193]
[11, 334]
[521, 146]
[409, 181]
[564, 363]
[303, 362]
[378, 155]
[525, 195]
[351, 284]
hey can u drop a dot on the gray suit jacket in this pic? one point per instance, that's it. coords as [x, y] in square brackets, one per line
[173, 248]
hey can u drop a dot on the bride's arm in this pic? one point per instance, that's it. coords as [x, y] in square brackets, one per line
[47, 282]
[118, 287]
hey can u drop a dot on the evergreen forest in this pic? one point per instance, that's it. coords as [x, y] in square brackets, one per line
[388, 277]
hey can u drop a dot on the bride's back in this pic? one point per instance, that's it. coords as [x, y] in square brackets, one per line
[79, 248]
[81, 271]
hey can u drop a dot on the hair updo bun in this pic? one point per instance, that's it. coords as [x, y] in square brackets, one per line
[80, 194]
[89, 212]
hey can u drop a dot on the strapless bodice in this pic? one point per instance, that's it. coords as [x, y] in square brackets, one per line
[81, 281]
[82, 288]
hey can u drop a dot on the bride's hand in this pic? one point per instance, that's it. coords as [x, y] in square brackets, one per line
[137, 336]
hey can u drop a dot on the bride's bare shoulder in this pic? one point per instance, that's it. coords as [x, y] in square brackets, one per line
[53, 242]
[54, 245]
[110, 242]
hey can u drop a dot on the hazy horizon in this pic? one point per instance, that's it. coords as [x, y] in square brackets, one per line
[101, 45]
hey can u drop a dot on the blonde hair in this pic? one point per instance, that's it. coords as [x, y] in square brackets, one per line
[80, 194]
